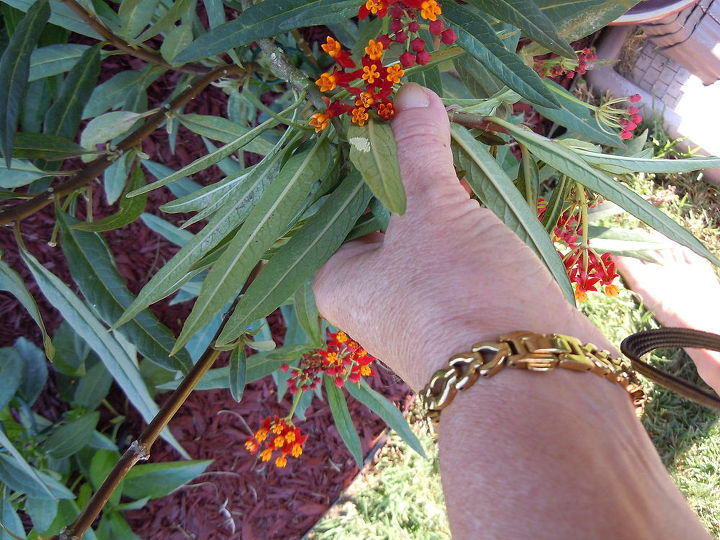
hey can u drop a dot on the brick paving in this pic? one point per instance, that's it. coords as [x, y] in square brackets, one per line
[658, 75]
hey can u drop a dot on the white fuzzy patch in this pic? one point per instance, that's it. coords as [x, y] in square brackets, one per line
[362, 144]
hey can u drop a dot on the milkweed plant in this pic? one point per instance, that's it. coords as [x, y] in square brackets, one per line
[302, 173]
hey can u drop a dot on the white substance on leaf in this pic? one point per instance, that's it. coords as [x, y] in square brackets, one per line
[362, 144]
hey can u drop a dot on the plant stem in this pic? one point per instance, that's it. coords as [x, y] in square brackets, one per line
[140, 448]
[122, 45]
[96, 167]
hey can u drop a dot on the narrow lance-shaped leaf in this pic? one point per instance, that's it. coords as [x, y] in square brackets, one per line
[374, 153]
[93, 269]
[48, 147]
[571, 164]
[579, 18]
[130, 209]
[112, 354]
[63, 118]
[342, 419]
[530, 19]
[14, 71]
[61, 15]
[210, 159]
[265, 223]
[135, 15]
[497, 191]
[478, 38]
[10, 281]
[170, 277]
[390, 414]
[166, 20]
[268, 19]
[54, 59]
[626, 165]
[298, 260]
[237, 372]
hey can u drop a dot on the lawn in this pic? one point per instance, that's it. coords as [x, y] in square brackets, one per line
[400, 497]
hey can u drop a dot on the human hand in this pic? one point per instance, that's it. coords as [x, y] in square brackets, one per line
[446, 274]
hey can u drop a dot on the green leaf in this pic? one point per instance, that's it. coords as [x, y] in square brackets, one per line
[267, 19]
[113, 93]
[342, 419]
[32, 478]
[207, 196]
[216, 12]
[297, 261]
[478, 38]
[34, 370]
[497, 191]
[93, 387]
[576, 117]
[34, 483]
[306, 309]
[579, 18]
[10, 281]
[63, 118]
[155, 480]
[14, 71]
[92, 266]
[130, 209]
[42, 512]
[267, 220]
[70, 438]
[106, 127]
[49, 147]
[237, 372]
[18, 173]
[390, 414]
[10, 522]
[225, 131]
[113, 355]
[135, 15]
[625, 242]
[54, 59]
[234, 211]
[221, 153]
[534, 23]
[61, 15]
[181, 187]
[569, 163]
[11, 367]
[374, 153]
[167, 21]
[175, 41]
[116, 176]
[167, 230]
[100, 466]
[626, 165]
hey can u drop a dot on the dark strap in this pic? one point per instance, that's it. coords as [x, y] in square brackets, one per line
[639, 344]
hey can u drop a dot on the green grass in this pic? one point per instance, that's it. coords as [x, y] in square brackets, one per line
[401, 497]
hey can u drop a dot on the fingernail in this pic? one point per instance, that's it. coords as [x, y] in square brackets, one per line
[411, 96]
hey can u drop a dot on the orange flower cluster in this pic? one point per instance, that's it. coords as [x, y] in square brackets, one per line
[371, 84]
[343, 359]
[586, 270]
[276, 435]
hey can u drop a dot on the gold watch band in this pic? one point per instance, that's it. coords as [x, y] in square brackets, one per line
[531, 351]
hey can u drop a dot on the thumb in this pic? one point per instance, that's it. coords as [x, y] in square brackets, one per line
[422, 133]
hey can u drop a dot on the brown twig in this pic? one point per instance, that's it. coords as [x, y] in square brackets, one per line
[474, 121]
[121, 45]
[140, 449]
[96, 167]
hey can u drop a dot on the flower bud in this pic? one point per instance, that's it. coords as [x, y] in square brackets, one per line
[449, 36]
[413, 26]
[423, 57]
[401, 37]
[635, 98]
[396, 25]
[407, 59]
[436, 27]
[417, 44]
